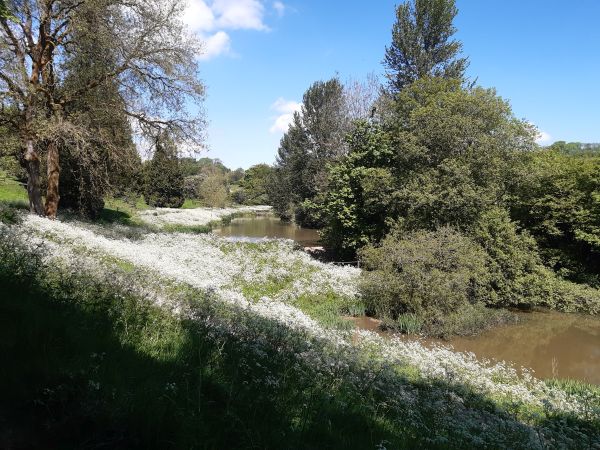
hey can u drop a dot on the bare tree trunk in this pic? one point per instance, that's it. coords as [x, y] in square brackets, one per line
[52, 195]
[32, 166]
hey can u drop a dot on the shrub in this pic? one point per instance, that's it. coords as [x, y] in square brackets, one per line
[428, 273]
[9, 212]
[213, 190]
[514, 262]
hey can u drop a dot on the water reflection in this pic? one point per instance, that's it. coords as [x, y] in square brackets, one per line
[255, 228]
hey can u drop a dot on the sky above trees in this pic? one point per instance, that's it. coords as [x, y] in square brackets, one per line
[261, 55]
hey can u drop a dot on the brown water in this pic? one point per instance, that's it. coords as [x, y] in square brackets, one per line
[553, 344]
[255, 228]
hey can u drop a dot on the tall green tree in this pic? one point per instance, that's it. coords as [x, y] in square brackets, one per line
[255, 184]
[314, 139]
[422, 44]
[163, 175]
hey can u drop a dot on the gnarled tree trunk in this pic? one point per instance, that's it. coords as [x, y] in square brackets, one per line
[52, 195]
[32, 166]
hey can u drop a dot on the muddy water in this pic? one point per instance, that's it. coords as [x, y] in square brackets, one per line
[254, 228]
[554, 345]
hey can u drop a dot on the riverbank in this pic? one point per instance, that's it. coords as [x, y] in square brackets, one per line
[269, 302]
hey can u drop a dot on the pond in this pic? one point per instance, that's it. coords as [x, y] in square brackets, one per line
[268, 226]
[553, 344]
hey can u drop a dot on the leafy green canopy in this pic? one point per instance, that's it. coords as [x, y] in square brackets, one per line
[255, 184]
[559, 202]
[449, 154]
[422, 44]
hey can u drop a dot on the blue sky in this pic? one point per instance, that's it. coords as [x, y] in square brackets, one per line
[542, 55]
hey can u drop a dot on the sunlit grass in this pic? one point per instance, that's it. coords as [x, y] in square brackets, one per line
[12, 191]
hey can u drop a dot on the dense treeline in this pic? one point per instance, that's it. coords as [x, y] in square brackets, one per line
[442, 192]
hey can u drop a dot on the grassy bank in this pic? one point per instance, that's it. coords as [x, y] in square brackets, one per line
[116, 370]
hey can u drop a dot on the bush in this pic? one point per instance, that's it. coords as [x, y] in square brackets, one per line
[213, 191]
[9, 212]
[514, 262]
[431, 274]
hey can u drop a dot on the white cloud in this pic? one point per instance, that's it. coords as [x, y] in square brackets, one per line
[240, 14]
[217, 44]
[543, 138]
[198, 16]
[286, 109]
[279, 7]
[210, 20]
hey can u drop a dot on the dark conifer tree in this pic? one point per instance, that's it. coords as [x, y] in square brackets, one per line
[422, 44]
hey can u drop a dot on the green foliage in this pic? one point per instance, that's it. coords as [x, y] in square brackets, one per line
[427, 273]
[314, 139]
[514, 263]
[559, 202]
[443, 282]
[213, 190]
[450, 154]
[235, 176]
[575, 148]
[10, 213]
[358, 198]
[255, 184]
[202, 166]
[422, 44]
[458, 152]
[206, 181]
[163, 177]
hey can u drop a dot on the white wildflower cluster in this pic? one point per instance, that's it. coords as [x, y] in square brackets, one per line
[277, 261]
[193, 217]
[210, 263]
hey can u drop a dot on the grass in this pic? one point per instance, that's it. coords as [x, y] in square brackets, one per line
[191, 204]
[328, 309]
[192, 229]
[95, 365]
[92, 366]
[12, 192]
[119, 211]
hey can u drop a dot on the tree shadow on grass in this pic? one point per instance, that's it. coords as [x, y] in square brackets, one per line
[109, 216]
[113, 374]
[85, 368]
